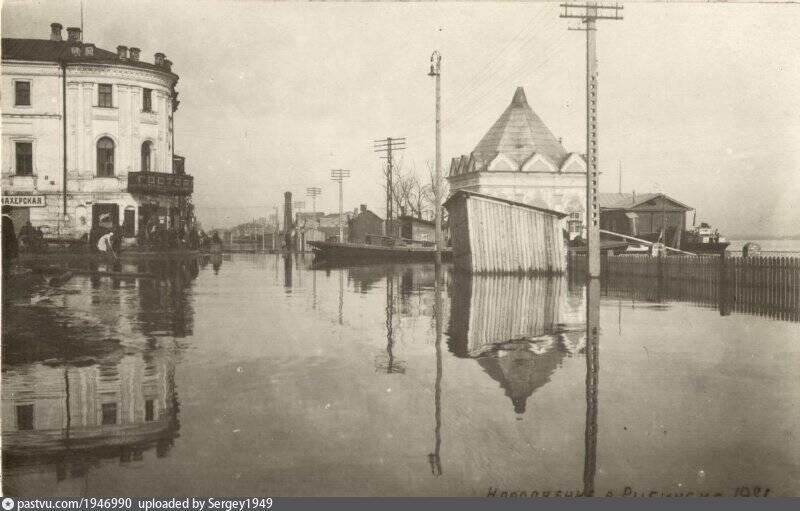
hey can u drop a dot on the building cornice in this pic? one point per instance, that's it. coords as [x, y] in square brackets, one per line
[82, 70]
[86, 69]
[31, 116]
[478, 173]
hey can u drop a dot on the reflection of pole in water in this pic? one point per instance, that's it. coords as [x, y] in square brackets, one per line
[299, 268]
[389, 321]
[592, 370]
[434, 458]
[313, 289]
[287, 271]
[341, 295]
[390, 364]
[67, 403]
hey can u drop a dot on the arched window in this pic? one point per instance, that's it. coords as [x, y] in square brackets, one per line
[146, 156]
[105, 157]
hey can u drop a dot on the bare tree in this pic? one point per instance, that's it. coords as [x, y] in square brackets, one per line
[430, 192]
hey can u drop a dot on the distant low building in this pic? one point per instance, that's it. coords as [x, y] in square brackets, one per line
[416, 229]
[329, 224]
[307, 228]
[638, 214]
[364, 223]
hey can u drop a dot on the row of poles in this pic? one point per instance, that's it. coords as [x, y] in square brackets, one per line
[387, 146]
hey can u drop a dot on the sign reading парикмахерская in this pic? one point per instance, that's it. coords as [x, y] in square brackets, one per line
[24, 200]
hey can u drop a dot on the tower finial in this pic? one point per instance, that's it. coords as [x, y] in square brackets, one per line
[519, 97]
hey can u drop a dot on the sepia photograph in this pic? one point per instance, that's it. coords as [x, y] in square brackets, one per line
[255, 249]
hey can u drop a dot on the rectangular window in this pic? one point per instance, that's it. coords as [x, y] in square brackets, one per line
[129, 223]
[147, 100]
[148, 410]
[24, 417]
[22, 93]
[104, 96]
[575, 222]
[24, 151]
[109, 414]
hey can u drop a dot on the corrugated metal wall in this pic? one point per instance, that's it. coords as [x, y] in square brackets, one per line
[504, 238]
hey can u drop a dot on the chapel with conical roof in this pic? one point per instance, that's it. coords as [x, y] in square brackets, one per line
[520, 159]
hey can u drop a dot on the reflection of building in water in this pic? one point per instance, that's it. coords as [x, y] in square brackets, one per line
[121, 406]
[165, 308]
[519, 329]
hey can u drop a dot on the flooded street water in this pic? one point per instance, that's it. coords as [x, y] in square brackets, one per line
[258, 374]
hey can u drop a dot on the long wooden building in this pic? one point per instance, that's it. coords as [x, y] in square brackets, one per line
[494, 235]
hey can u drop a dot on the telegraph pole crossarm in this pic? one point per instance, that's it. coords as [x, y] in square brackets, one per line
[589, 13]
[388, 145]
[313, 192]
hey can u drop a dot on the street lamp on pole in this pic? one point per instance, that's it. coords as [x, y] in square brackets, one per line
[436, 71]
[340, 175]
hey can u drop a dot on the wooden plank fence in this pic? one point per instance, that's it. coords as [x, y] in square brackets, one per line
[760, 285]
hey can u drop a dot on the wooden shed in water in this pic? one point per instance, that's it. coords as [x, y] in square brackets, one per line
[497, 235]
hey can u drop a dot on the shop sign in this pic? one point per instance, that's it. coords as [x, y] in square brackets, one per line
[24, 201]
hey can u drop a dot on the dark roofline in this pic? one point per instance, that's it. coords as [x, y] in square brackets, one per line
[507, 201]
[58, 52]
[640, 202]
[415, 219]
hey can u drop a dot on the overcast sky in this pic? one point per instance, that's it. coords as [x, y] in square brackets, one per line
[700, 100]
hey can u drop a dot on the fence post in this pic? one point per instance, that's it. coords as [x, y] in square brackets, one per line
[724, 309]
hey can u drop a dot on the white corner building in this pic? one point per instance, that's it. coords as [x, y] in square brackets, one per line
[100, 122]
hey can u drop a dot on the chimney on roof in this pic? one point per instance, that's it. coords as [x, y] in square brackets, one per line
[363, 208]
[133, 53]
[168, 64]
[122, 52]
[158, 59]
[634, 198]
[73, 34]
[55, 31]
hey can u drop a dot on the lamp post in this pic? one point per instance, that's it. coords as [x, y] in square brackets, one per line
[436, 71]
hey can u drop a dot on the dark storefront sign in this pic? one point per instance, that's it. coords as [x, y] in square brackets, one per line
[159, 183]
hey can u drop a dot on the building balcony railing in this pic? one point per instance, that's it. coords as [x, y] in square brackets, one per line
[159, 183]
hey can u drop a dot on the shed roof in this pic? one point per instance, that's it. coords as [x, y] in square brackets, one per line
[468, 194]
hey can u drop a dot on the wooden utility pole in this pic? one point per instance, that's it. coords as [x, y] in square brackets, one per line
[277, 228]
[436, 71]
[589, 13]
[388, 145]
[313, 192]
[340, 175]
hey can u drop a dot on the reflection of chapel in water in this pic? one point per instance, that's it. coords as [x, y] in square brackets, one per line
[519, 329]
